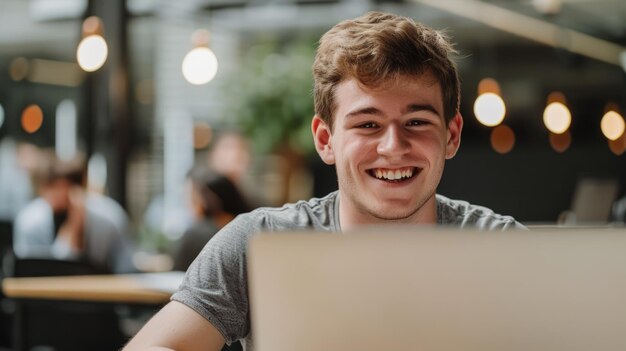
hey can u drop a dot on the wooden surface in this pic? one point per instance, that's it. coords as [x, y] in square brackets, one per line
[147, 288]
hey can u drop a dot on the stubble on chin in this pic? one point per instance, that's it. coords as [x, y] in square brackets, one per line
[399, 215]
[378, 212]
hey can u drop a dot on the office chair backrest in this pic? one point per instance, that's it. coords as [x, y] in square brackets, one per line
[6, 235]
[44, 323]
[13, 266]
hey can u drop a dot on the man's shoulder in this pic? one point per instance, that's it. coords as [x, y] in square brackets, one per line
[315, 213]
[36, 212]
[37, 205]
[464, 214]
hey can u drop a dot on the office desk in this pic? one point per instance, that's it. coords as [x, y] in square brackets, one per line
[148, 288]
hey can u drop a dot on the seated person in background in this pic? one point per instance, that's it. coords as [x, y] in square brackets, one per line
[66, 222]
[215, 201]
[230, 156]
[15, 187]
[387, 116]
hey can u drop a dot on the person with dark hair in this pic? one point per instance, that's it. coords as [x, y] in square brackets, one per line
[387, 117]
[67, 222]
[215, 201]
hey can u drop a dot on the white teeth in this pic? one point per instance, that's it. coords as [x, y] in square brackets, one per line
[394, 175]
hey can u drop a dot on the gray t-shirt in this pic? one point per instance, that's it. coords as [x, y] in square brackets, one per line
[216, 284]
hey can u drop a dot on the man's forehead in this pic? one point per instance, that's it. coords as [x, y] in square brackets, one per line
[426, 78]
[426, 88]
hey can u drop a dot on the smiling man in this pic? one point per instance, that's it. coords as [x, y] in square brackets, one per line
[389, 144]
[387, 116]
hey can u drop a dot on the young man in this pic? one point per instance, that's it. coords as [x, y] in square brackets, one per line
[386, 104]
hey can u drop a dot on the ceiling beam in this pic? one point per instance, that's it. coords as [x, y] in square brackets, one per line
[534, 29]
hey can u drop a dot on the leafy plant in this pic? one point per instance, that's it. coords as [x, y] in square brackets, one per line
[274, 102]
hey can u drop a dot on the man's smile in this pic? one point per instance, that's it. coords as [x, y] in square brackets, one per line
[393, 174]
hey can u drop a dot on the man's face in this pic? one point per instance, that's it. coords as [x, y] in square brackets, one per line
[57, 193]
[389, 145]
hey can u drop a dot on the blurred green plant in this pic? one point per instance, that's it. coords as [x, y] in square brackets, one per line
[153, 240]
[273, 102]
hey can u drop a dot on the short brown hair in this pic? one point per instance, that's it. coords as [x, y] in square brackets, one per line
[50, 169]
[377, 47]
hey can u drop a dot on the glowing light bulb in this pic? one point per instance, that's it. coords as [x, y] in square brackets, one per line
[18, 68]
[488, 85]
[489, 109]
[92, 53]
[502, 139]
[32, 118]
[612, 125]
[557, 117]
[560, 142]
[618, 147]
[200, 66]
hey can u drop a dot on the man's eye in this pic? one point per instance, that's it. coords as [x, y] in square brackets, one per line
[414, 123]
[368, 125]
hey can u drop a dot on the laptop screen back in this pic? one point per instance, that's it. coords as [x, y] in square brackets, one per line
[439, 290]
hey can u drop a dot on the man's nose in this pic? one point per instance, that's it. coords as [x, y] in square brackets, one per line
[393, 142]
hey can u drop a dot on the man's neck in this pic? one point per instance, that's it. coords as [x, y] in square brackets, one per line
[350, 216]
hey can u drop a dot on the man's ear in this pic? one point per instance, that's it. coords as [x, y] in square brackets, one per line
[322, 137]
[455, 126]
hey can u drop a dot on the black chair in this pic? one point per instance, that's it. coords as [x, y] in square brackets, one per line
[61, 325]
[6, 236]
[6, 314]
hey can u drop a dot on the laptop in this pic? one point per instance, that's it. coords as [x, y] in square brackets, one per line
[429, 289]
[593, 200]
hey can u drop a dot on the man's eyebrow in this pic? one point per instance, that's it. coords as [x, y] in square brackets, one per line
[365, 111]
[420, 107]
[409, 109]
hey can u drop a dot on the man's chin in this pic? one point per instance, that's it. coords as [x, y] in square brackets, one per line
[399, 214]
[396, 210]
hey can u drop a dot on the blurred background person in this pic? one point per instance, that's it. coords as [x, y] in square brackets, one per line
[230, 156]
[68, 222]
[215, 201]
[15, 185]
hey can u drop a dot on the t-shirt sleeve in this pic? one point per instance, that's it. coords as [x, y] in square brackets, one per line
[514, 225]
[216, 285]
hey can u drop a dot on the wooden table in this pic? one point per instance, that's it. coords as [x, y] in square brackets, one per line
[148, 288]
[65, 293]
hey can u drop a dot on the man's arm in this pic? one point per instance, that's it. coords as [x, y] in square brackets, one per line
[177, 327]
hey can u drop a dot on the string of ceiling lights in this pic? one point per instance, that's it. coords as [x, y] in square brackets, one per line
[200, 66]
[490, 110]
